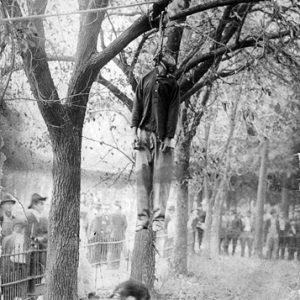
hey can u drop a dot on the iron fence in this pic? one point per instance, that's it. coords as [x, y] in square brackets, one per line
[22, 272]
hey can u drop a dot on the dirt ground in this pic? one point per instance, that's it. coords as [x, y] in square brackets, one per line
[235, 278]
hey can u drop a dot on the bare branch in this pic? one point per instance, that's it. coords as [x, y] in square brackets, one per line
[116, 92]
[36, 65]
[209, 5]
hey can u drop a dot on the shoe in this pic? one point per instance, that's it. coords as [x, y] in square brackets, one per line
[158, 225]
[141, 226]
[142, 223]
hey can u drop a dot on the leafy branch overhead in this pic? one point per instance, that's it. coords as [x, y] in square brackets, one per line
[231, 32]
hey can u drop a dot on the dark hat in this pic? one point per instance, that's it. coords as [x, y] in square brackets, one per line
[7, 198]
[35, 198]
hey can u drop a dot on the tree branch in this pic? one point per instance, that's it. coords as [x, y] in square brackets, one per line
[209, 5]
[31, 41]
[250, 42]
[84, 77]
[116, 92]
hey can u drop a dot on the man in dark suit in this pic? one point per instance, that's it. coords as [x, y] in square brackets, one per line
[37, 223]
[118, 226]
[36, 233]
[98, 234]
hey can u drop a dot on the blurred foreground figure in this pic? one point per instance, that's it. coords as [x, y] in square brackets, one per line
[131, 288]
[154, 120]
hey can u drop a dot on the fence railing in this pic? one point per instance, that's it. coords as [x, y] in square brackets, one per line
[22, 272]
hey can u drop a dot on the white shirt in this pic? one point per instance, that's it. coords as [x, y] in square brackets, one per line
[247, 224]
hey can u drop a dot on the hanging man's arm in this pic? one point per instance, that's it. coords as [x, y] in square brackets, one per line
[137, 112]
[172, 116]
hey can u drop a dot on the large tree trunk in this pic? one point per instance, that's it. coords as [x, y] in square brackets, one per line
[261, 192]
[143, 258]
[181, 233]
[63, 235]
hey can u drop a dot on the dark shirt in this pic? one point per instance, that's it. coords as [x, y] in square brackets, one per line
[118, 225]
[156, 104]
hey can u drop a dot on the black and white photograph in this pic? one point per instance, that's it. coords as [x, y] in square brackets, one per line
[150, 149]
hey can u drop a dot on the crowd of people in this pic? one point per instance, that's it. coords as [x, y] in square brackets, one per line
[19, 235]
[102, 234]
[281, 235]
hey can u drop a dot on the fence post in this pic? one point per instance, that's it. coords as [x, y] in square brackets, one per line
[32, 267]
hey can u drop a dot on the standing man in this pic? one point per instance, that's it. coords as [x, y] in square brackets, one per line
[272, 234]
[246, 237]
[6, 216]
[233, 233]
[37, 230]
[37, 226]
[155, 114]
[98, 235]
[284, 226]
[118, 224]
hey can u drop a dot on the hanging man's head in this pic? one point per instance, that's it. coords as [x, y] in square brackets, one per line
[166, 61]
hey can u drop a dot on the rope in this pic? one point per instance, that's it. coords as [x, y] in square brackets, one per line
[44, 16]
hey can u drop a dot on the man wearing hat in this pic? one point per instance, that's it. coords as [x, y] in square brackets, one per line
[14, 260]
[154, 120]
[272, 229]
[37, 224]
[6, 216]
[118, 225]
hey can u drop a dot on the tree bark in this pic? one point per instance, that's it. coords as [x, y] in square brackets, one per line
[209, 200]
[143, 258]
[261, 193]
[285, 207]
[63, 235]
[181, 232]
[216, 219]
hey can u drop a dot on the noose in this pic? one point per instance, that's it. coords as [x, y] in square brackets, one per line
[161, 29]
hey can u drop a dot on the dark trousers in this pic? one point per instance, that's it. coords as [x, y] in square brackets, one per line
[200, 235]
[282, 245]
[231, 236]
[293, 244]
